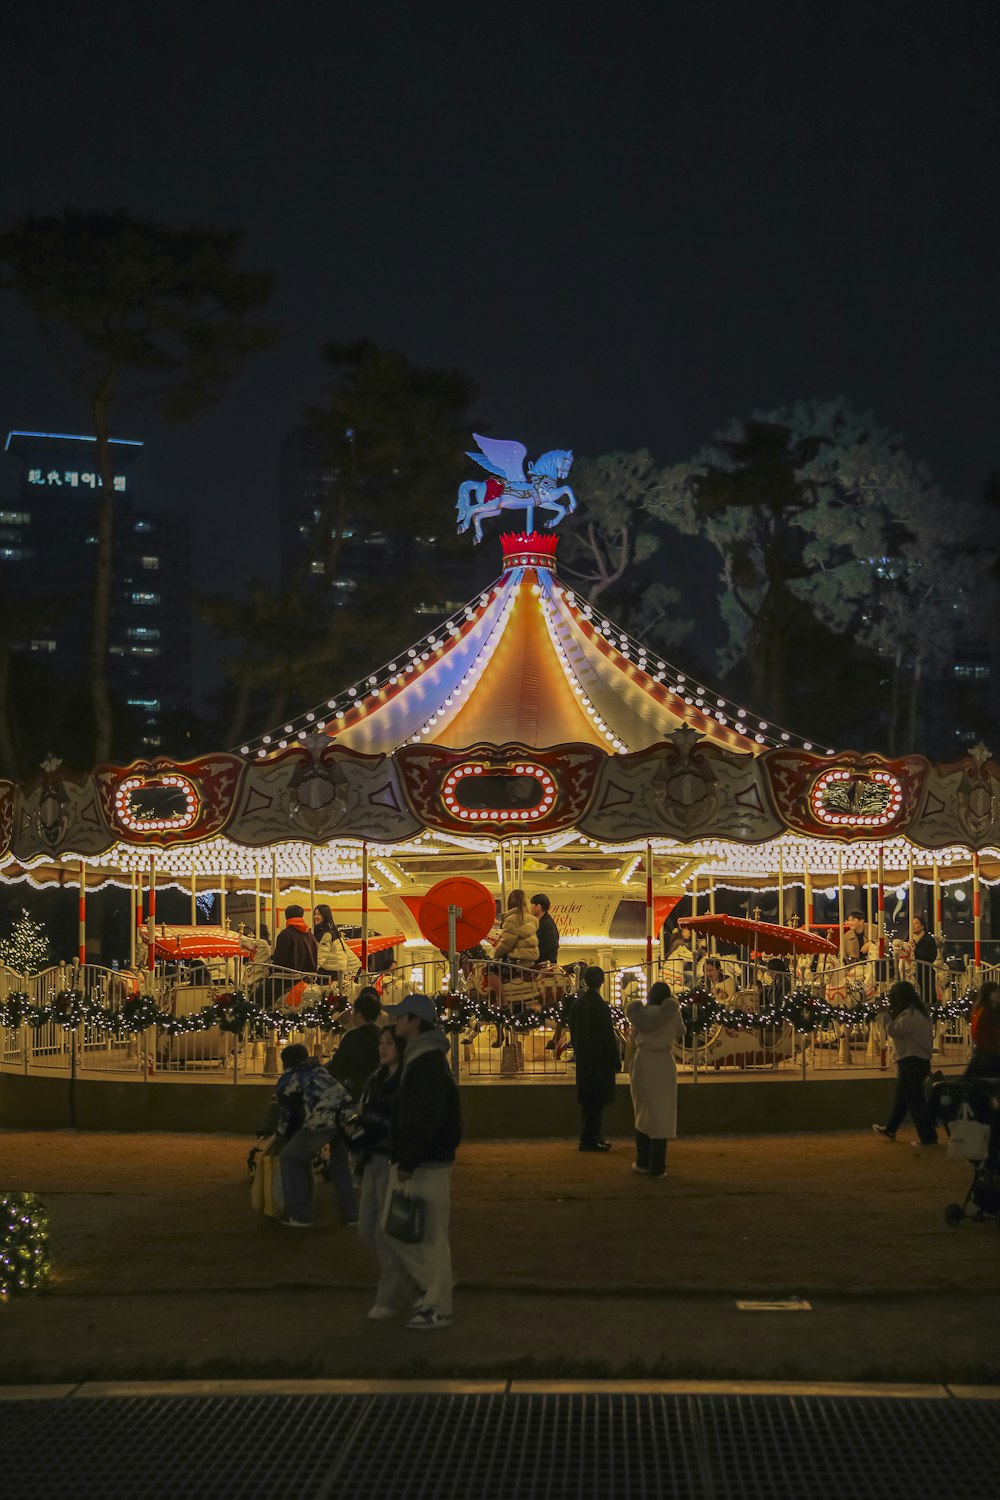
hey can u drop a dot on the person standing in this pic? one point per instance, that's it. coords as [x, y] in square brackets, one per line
[548, 932]
[424, 1133]
[295, 946]
[375, 1107]
[985, 1025]
[598, 1058]
[925, 952]
[656, 1025]
[313, 1110]
[357, 1057]
[913, 1040]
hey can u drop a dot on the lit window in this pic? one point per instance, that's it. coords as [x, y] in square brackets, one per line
[15, 518]
[144, 650]
[151, 703]
[348, 585]
[317, 566]
[144, 598]
[152, 740]
[43, 645]
[150, 563]
[143, 633]
[11, 554]
[143, 526]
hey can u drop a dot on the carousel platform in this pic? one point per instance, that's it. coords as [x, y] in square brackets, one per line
[493, 1108]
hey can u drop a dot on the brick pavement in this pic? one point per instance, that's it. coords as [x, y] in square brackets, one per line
[568, 1264]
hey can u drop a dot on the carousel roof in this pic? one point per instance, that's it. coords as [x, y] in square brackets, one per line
[528, 661]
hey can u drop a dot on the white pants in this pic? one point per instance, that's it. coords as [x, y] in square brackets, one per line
[396, 1287]
[426, 1266]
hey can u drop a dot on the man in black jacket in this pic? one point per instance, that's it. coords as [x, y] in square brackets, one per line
[295, 946]
[598, 1058]
[548, 932]
[424, 1132]
[356, 1059]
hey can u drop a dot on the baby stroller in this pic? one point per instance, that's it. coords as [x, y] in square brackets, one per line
[969, 1109]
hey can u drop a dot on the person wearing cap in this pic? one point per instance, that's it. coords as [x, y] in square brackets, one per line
[424, 1132]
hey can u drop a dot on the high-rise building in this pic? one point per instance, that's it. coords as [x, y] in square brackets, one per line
[47, 555]
[368, 554]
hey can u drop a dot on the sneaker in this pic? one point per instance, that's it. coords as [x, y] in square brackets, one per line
[428, 1317]
[887, 1135]
[296, 1224]
[919, 1145]
[380, 1312]
[657, 1176]
[643, 1170]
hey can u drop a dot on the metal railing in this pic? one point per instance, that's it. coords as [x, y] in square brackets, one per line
[803, 1018]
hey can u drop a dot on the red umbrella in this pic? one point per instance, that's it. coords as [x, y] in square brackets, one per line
[766, 937]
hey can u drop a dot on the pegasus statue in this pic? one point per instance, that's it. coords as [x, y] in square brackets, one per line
[510, 488]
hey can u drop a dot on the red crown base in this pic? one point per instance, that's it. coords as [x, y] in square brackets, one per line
[528, 549]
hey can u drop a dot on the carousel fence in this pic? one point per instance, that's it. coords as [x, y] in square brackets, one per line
[168, 1023]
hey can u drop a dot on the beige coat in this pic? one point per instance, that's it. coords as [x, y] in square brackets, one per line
[653, 1079]
[518, 939]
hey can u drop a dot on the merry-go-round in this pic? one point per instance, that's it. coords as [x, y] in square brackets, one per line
[526, 742]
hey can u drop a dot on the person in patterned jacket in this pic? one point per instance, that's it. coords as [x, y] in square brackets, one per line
[313, 1110]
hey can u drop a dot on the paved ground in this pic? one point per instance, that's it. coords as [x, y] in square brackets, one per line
[569, 1265]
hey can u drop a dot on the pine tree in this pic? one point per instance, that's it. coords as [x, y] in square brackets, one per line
[26, 948]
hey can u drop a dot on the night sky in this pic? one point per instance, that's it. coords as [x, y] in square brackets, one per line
[627, 222]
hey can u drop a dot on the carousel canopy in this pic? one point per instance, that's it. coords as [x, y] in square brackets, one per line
[526, 717]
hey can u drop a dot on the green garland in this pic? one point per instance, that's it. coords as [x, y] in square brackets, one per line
[24, 1244]
[252, 1020]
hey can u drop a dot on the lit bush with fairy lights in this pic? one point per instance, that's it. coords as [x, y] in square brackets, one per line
[24, 1244]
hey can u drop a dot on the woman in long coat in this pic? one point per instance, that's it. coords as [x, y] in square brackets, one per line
[656, 1025]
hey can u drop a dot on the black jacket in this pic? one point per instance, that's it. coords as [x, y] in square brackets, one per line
[294, 949]
[595, 1048]
[548, 939]
[356, 1059]
[375, 1108]
[426, 1123]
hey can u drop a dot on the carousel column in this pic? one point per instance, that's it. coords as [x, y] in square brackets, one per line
[312, 882]
[132, 882]
[256, 898]
[844, 1049]
[977, 921]
[271, 1051]
[194, 897]
[649, 913]
[364, 907]
[222, 899]
[82, 917]
[781, 885]
[151, 928]
[713, 942]
[936, 899]
[150, 957]
[694, 935]
[809, 916]
[881, 912]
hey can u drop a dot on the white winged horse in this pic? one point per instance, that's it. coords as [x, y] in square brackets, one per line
[511, 488]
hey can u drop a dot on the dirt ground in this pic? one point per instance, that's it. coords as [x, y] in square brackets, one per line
[569, 1264]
